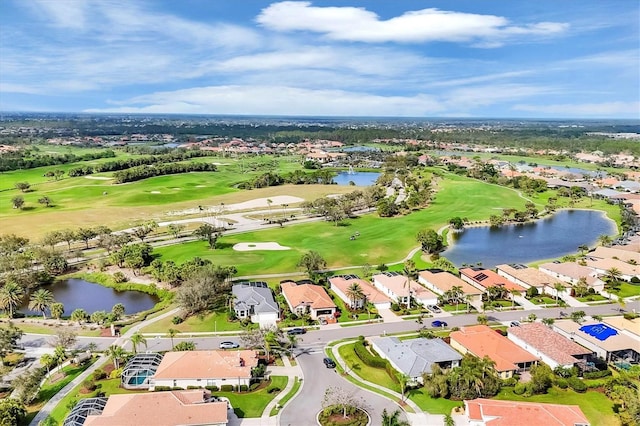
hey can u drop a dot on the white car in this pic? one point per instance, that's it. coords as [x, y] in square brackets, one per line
[229, 345]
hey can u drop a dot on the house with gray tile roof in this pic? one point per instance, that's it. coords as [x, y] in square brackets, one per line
[254, 300]
[416, 356]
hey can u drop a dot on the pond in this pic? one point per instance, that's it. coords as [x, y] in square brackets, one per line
[548, 238]
[359, 178]
[76, 293]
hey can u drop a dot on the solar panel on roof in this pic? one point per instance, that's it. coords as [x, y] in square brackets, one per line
[481, 277]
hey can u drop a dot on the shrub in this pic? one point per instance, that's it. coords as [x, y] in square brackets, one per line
[177, 388]
[99, 374]
[194, 387]
[213, 388]
[162, 388]
[116, 374]
[243, 388]
[510, 382]
[274, 389]
[635, 280]
[226, 388]
[562, 383]
[89, 385]
[177, 320]
[119, 277]
[366, 356]
[254, 386]
[597, 374]
[577, 384]
[519, 388]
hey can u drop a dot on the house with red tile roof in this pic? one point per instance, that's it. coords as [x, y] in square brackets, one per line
[491, 412]
[188, 408]
[205, 368]
[552, 348]
[482, 279]
[481, 341]
[308, 298]
[340, 286]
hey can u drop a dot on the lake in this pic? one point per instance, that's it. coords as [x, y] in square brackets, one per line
[359, 178]
[76, 293]
[547, 238]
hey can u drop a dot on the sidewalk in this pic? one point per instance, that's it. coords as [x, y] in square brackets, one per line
[53, 402]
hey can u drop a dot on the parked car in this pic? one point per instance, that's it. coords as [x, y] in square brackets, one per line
[329, 363]
[438, 323]
[229, 345]
[298, 330]
[434, 309]
[514, 324]
[323, 321]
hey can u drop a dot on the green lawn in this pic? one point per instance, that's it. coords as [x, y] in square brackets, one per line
[628, 290]
[592, 298]
[375, 375]
[542, 300]
[214, 321]
[432, 405]
[596, 406]
[252, 404]
[297, 383]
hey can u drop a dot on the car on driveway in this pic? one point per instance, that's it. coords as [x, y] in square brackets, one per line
[229, 345]
[329, 363]
[514, 324]
[438, 323]
[434, 309]
[298, 330]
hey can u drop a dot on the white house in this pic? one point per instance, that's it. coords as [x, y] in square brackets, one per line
[340, 286]
[398, 288]
[205, 368]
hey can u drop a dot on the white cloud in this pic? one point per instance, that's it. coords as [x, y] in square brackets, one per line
[277, 100]
[69, 14]
[359, 24]
[482, 96]
[602, 109]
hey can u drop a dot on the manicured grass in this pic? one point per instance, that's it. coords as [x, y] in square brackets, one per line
[592, 298]
[252, 404]
[48, 390]
[211, 322]
[53, 329]
[628, 290]
[375, 375]
[432, 405]
[542, 300]
[596, 406]
[461, 308]
[294, 390]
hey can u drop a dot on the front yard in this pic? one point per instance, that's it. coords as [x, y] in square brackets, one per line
[210, 322]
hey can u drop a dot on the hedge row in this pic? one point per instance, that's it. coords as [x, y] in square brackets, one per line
[374, 361]
[576, 384]
[597, 374]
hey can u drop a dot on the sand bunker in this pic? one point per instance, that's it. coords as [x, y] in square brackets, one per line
[276, 201]
[200, 186]
[259, 246]
[155, 192]
[98, 177]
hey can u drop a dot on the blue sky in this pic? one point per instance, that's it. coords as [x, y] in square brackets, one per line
[476, 58]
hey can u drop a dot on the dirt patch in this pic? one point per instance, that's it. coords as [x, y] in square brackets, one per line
[131, 277]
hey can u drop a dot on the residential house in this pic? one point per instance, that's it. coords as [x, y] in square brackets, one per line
[481, 341]
[414, 357]
[308, 298]
[606, 341]
[440, 282]
[550, 347]
[492, 412]
[603, 266]
[399, 288]
[192, 407]
[340, 286]
[526, 277]
[205, 368]
[571, 273]
[254, 300]
[482, 279]
[630, 327]
[616, 252]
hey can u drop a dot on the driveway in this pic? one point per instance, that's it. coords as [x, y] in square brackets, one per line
[302, 410]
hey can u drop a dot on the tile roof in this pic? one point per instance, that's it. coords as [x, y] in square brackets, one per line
[548, 342]
[482, 341]
[445, 281]
[572, 270]
[493, 412]
[623, 324]
[373, 294]
[307, 294]
[398, 285]
[532, 276]
[261, 298]
[615, 251]
[160, 409]
[613, 343]
[488, 278]
[415, 356]
[207, 364]
[606, 264]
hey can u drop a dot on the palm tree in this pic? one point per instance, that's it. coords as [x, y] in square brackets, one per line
[514, 293]
[548, 321]
[172, 333]
[57, 310]
[403, 379]
[136, 339]
[60, 354]
[11, 297]
[41, 300]
[410, 273]
[355, 293]
[583, 249]
[559, 288]
[483, 319]
[605, 240]
[269, 202]
[116, 353]
[456, 294]
[392, 419]
[48, 361]
[467, 299]
[614, 275]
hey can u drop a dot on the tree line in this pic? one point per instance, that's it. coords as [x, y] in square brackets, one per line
[22, 160]
[297, 177]
[143, 172]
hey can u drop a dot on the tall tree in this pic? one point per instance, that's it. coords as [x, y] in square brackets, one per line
[393, 419]
[172, 332]
[355, 294]
[312, 262]
[41, 300]
[116, 353]
[17, 202]
[9, 338]
[57, 310]
[48, 202]
[11, 295]
[137, 339]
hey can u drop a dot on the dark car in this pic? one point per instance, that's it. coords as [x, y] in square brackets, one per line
[434, 309]
[298, 330]
[438, 323]
[329, 363]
